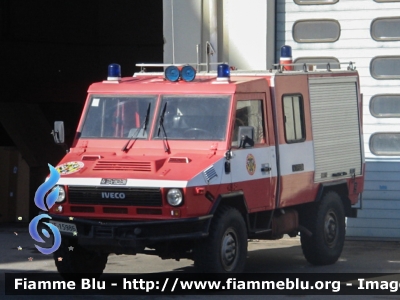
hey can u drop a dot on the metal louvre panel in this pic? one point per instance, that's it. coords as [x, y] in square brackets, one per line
[102, 196]
[334, 115]
[331, 80]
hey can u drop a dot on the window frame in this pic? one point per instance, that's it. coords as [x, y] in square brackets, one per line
[92, 96]
[163, 97]
[376, 153]
[302, 118]
[320, 2]
[315, 40]
[383, 77]
[250, 97]
[384, 1]
[382, 116]
[383, 39]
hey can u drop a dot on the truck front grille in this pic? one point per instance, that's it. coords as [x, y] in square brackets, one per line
[115, 196]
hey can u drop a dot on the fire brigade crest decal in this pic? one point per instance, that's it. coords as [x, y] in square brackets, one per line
[250, 164]
[70, 167]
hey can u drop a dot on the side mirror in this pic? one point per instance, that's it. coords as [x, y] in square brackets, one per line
[246, 136]
[58, 133]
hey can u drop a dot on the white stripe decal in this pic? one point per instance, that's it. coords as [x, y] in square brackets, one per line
[294, 154]
[239, 173]
[130, 183]
[290, 154]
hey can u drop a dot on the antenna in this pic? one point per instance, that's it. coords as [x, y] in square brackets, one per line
[209, 51]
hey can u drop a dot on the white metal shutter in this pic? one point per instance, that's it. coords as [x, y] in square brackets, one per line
[334, 117]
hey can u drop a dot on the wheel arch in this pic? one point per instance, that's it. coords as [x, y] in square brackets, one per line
[236, 200]
[339, 187]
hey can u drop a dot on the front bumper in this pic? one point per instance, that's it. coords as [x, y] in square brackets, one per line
[133, 237]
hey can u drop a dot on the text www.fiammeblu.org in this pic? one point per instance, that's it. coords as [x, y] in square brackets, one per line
[177, 285]
[233, 284]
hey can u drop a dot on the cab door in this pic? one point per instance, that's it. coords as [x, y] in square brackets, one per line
[252, 166]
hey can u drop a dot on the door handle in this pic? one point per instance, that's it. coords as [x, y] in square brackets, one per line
[265, 168]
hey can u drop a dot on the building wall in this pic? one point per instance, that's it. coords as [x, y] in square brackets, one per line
[380, 214]
[182, 22]
[241, 36]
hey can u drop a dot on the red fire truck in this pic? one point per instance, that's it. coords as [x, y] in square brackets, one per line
[185, 165]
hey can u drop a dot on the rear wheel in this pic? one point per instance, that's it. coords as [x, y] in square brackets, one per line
[225, 249]
[72, 259]
[326, 221]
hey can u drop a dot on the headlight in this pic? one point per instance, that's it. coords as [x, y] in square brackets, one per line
[174, 197]
[61, 194]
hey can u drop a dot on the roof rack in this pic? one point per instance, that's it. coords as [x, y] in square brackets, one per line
[281, 67]
[143, 66]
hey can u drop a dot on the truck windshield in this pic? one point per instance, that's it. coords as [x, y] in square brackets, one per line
[193, 117]
[117, 117]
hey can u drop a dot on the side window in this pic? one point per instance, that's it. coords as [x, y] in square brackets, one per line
[293, 118]
[316, 31]
[249, 113]
[385, 67]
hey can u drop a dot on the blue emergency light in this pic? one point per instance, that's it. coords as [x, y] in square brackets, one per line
[223, 72]
[172, 73]
[114, 72]
[286, 51]
[188, 73]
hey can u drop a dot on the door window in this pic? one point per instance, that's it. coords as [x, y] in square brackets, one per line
[293, 118]
[249, 113]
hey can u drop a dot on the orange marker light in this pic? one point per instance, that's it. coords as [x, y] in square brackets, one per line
[175, 212]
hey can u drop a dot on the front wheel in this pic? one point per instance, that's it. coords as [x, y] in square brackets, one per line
[225, 249]
[326, 221]
[72, 259]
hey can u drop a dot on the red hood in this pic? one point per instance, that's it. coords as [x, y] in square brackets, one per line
[178, 166]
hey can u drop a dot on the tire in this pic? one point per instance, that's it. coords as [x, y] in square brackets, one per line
[78, 261]
[326, 221]
[225, 249]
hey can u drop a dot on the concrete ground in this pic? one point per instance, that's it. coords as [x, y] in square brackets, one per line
[282, 256]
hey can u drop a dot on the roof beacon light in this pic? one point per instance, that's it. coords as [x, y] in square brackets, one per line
[223, 72]
[286, 58]
[172, 73]
[188, 73]
[114, 72]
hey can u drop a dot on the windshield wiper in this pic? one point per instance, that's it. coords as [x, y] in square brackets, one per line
[161, 126]
[136, 133]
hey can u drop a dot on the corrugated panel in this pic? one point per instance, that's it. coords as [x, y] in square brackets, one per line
[377, 223]
[381, 195]
[334, 116]
[385, 214]
[380, 214]
[378, 204]
[366, 232]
